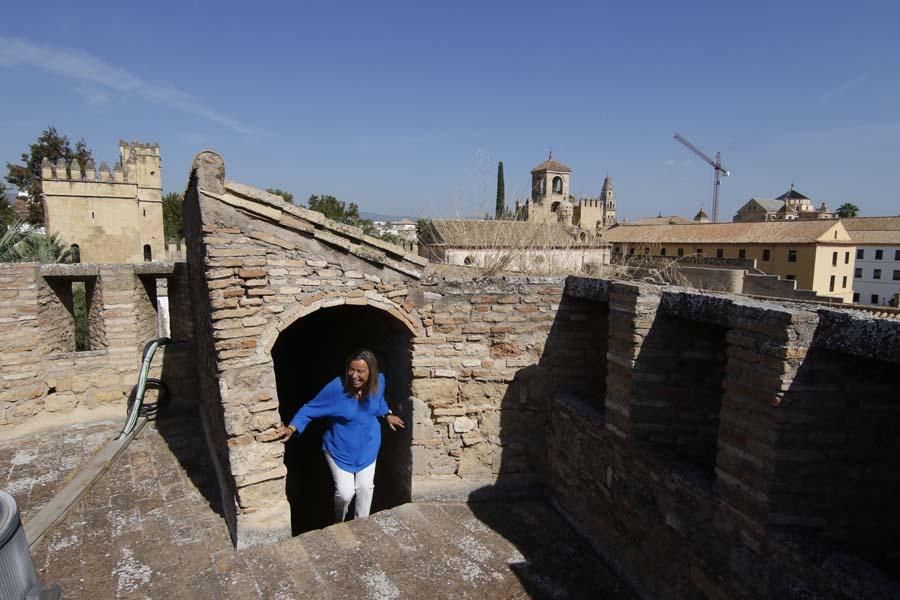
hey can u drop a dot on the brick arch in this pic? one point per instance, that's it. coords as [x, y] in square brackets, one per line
[290, 316]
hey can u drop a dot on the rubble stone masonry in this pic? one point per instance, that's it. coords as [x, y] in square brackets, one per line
[41, 373]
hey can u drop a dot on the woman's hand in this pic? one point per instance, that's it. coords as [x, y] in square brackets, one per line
[285, 432]
[394, 421]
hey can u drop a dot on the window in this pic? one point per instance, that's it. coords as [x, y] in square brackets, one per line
[469, 260]
[646, 250]
[856, 296]
[896, 275]
[896, 254]
[792, 256]
[742, 253]
[720, 252]
[874, 299]
[857, 272]
[846, 258]
[844, 282]
[698, 251]
[766, 254]
[790, 277]
[860, 254]
[834, 259]
[145, 212]
[630, 251]
[557, 185]
[879, 254]
[681, 252]
[876, 274]
[662, 251]
[148, 254]
[831, 284]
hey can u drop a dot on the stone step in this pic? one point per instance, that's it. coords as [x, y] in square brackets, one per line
[438, 551]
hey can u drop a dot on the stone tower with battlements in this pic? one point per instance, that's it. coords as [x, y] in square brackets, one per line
[113, 215]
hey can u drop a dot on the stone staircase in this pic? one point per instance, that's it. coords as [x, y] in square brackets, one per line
[432, 550]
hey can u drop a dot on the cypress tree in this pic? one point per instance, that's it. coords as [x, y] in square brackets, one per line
[501, 193]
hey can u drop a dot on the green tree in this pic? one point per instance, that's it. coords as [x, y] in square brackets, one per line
[423, 229]
[172, 221]
[500, 211]
[7, 212]
[847, 210]
[27, 176]
[20, 244]
[288, 197]
[340, 211]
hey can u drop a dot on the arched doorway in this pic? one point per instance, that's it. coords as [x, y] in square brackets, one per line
[307, 355]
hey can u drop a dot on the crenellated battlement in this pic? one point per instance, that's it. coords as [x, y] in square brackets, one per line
[139, 163]
[114, 212]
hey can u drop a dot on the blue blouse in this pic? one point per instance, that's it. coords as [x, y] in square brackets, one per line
[353, 436]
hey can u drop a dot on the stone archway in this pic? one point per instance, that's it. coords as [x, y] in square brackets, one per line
[307, 353]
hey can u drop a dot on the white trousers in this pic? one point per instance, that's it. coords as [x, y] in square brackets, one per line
[346, 484]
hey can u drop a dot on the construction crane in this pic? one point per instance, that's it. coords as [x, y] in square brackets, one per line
[718, 170]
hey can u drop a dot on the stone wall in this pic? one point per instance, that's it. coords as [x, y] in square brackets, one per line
[41, 373]
[797, 475]
[701, 412]
[483, 354]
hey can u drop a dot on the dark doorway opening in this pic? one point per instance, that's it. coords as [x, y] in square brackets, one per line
[309, 354]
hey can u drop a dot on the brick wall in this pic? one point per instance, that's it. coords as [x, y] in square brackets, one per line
[41, 374]
[805, 461]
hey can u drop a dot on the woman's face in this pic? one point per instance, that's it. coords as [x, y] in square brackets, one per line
[358, 373]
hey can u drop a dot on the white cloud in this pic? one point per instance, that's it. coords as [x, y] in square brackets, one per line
[92, 96]
[88, 69]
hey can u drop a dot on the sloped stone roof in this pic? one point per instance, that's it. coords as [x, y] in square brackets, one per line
[211, 182]
[763, 232]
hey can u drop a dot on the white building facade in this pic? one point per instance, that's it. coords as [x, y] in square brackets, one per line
[876, 278]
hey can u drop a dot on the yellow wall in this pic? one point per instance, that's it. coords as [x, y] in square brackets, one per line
[111, 216]
[812, 269]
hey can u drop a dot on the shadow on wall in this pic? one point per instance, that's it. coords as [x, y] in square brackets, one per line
[838, 464]
[309, 354]
[179, 422]
[555, 560]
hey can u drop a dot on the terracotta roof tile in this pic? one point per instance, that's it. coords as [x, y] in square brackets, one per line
[772, 232]
[510, 234]
[552, 165]
[874, 230]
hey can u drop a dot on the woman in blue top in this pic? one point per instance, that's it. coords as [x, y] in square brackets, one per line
[352, 405]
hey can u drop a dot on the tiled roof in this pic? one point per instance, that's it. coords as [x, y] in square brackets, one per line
[771, 232]
[509, 234]
[551, 165]
[769, 205]
[874, 230]
[793, 195]
[672, 220]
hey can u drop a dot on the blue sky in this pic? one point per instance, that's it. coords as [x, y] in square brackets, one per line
[406, 107]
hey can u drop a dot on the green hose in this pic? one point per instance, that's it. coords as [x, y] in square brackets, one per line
[137, 405]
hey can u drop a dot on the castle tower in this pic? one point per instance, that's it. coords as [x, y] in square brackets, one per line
[143, 167]
[549, 187]
[113, 215]
[608, 199]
